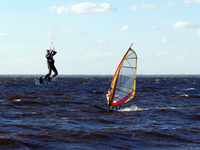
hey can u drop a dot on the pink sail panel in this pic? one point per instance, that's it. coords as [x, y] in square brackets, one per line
[122, 101]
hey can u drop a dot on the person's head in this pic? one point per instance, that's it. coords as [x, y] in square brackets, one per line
[47, 51]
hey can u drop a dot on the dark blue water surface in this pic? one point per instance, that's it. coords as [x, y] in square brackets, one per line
[165, 114]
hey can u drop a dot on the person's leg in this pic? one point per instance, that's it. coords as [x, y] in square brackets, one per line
[55, 71]
[48, 74]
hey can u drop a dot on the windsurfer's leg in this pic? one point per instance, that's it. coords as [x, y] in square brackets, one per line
[109, 106]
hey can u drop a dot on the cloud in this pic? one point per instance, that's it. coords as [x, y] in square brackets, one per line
[99, 41]
[162, 53]
[185, 25]
[70, 30]
[143, 6]
[155, 27]
[124, 28]
[3, 34]
[83, 8]
[192, 1]
[11, 16]
[20, 60]
[33, 16]
[198, 32]
[171, 4]
[94, 56]
[165, 40]
[134, 7]
[180, 58]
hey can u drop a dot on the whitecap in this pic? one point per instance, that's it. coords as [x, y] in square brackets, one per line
[17, 100]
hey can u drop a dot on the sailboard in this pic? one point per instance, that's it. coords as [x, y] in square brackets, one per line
[40, 81]
[104, 108]
[123, 85]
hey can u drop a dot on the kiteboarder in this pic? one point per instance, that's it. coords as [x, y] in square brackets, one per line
[50, 63]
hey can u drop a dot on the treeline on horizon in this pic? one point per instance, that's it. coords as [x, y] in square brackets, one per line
[89, 75]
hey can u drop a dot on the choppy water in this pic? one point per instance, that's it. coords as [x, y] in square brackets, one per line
[165, 114]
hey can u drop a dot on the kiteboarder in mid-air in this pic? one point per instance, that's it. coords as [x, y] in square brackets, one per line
[50, 63]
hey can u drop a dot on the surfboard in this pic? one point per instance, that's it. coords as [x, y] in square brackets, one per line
[40, 81]
[104, 108]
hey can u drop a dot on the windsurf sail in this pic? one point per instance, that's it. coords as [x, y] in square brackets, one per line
[123, 85]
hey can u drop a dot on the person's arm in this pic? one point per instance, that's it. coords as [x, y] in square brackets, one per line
[53, 52]
[47, 56]
[117, 95]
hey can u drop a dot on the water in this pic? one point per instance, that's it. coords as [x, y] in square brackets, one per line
[165, 114]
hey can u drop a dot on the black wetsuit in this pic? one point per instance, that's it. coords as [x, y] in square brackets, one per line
[50, 64]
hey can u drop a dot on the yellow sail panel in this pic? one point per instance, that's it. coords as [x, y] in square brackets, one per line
[123, 85]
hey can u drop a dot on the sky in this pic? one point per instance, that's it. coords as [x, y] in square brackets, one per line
[91, 37]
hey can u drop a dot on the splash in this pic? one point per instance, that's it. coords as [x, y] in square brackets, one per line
[132, 108]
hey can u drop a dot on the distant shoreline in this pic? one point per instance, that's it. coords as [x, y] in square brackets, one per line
[88, 75]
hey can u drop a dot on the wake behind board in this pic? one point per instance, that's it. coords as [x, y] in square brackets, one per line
[41, 81]
[104, 108]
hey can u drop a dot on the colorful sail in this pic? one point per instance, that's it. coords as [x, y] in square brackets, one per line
[123, 85]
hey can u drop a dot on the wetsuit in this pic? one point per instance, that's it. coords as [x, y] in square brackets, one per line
[50, 64]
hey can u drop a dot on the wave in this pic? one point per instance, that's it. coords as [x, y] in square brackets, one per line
[190, 96]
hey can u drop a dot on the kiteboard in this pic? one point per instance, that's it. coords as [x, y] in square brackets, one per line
[40, 81]
[104, 108]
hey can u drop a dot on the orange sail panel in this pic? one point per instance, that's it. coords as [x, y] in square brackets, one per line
[124, 80]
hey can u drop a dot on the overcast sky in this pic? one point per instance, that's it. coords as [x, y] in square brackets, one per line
[91, 37]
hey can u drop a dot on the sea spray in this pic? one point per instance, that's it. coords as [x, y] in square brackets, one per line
[131, 108]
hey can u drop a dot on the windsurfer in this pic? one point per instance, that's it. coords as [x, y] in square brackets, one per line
[108, 96]
[50, 63]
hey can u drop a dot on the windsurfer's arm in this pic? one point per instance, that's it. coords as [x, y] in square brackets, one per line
[107, 96]
[117, 95]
